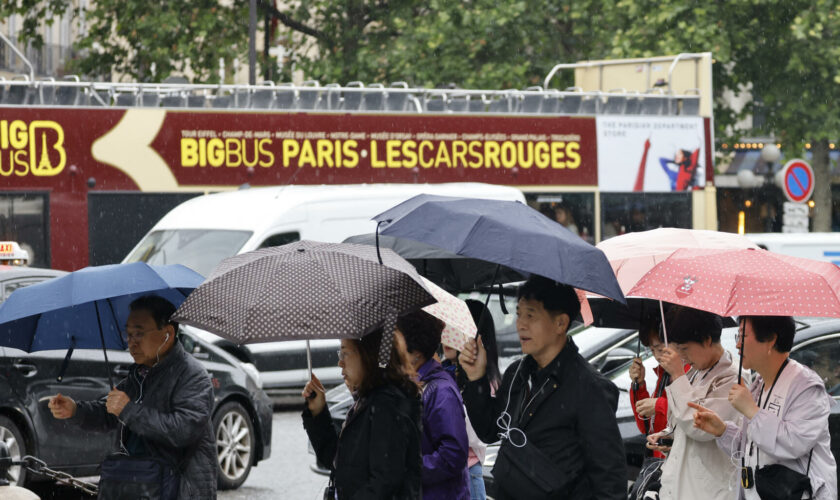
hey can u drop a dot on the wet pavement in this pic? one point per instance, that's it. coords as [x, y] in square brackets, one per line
[286, 474]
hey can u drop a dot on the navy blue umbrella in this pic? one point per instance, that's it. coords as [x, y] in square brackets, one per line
[88, 308]
[503, 232]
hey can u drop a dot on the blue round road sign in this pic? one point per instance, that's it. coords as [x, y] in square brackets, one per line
[798, 181]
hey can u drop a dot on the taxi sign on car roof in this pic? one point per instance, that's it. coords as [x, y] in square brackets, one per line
[12, 254]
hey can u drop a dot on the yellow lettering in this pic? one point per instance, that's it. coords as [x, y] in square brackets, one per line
[541, 155]
[6, 173]
[21, 162]
[189, 152]
[44, 167]
[18, 136]
[491, 154]
[307, 155]
[475, 153]
[573, 155]
[508, 154]
[459, 153]
[253, 163]
[202, 152]
[325, 149]
[232, 150]
[525, 154]
[374, 161]
[442, 155]
[557, 154]
[337, 151]
[291, 148]
[4, 134]
[349, 150]
[425, 146]
[409, 152]
[215, 152]
[265, 152]
[392, 154]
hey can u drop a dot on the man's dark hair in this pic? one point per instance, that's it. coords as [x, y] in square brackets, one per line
[160, 309]
[421, 331]
[765, 327]
[686, 324]
[555, 297]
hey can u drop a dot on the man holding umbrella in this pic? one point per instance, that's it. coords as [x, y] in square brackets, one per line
[163, 408]
[554, 411]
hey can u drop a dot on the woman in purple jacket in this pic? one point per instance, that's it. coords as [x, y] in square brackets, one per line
[444, 442]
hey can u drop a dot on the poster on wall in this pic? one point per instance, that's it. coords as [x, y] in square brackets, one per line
[650, 153]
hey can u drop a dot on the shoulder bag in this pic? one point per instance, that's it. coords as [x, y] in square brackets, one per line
[123, 477]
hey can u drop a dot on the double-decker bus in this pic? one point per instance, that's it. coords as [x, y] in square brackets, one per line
[86, 168]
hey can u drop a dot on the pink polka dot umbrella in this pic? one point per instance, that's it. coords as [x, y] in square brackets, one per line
[744, 282]
[453, 311]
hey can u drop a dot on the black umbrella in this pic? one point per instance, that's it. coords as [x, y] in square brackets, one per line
[450, 271]
[306, 290]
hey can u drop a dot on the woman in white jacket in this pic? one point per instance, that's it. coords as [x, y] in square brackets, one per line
[785, 411]
[695, 468]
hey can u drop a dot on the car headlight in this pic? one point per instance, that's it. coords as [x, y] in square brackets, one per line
[252, 372]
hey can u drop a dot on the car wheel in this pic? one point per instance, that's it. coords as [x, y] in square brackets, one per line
[13, 438]
[235, 442]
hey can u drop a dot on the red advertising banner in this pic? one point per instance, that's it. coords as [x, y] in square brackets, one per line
[162, 150]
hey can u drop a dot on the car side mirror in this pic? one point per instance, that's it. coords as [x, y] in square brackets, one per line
[615, 359]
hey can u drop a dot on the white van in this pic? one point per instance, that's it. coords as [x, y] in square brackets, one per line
[817, 246]
[200, 232]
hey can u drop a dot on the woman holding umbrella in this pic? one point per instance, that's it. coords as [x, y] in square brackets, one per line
[377, 453]
[695, 469]
[783, 436]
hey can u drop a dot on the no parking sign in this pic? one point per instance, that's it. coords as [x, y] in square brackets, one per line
[797, 181]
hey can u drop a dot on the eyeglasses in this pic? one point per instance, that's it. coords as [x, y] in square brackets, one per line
[136, 336]
[342, 355]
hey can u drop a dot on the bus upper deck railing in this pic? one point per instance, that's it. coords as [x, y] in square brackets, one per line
[398, 97]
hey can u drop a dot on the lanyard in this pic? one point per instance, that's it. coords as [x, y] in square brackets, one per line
[770, 392]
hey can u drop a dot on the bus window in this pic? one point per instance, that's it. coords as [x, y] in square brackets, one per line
[23, 218]
[275, 240]
[630, 212]
[575, 211]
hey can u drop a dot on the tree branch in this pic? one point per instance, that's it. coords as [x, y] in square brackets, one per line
[295, 25]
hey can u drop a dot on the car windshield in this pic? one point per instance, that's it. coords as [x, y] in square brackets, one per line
[199, 249]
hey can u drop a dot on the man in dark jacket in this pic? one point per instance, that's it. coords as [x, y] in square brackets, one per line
[163, 408]
[554, 412]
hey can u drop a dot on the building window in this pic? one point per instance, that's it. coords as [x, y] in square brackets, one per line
[630, 212]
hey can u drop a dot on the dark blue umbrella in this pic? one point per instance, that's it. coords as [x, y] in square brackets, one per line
[88, 308]
[503, 232]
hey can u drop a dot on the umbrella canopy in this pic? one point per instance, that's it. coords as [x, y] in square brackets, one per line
[632, 255]
[744, 282]
[455, 314]
[639, 310]
[306, 290]
[448, 270]
[503, 232]
[87, 308]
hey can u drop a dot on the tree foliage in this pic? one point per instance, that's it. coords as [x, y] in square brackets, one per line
[783, 52]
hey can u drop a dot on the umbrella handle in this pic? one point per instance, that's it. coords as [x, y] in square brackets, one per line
[378, 254]
[66, 361]
[104, 351]
[664, 330]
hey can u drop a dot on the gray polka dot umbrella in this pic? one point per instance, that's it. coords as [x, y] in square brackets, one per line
[306, 290]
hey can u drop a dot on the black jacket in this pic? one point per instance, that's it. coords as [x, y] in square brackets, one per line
[377, 455]
[171, 411]
[571, 420]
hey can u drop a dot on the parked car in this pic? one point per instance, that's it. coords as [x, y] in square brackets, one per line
[28, 380]
[816, 345]
[202, 231]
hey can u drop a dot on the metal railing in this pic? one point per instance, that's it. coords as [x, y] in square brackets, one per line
[397, 97]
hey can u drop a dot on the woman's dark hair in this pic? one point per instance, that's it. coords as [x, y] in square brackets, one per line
[421, 331]
[397, 373]
[649, 327]
[764, 327]
[487, 332]
[555, 297]
[160, 309]
[686, 324]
